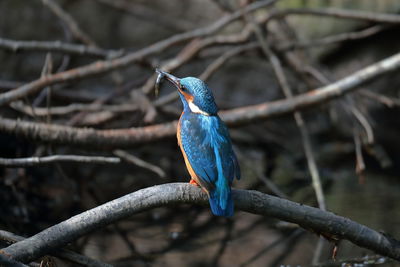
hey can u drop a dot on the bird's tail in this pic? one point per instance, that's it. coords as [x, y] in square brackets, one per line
[221, 201]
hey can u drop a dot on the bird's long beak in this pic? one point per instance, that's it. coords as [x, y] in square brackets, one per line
[174, 80]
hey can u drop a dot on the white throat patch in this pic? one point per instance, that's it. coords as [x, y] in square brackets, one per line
[196, 109]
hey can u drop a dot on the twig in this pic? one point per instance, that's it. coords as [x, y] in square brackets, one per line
[343, 14]
[38, 161]
[225, 57]
[364, 122]
[386, 100]
[284, 239]
[305, 136]
[139, 162]
[338, 38]
[62, 253]
[192, 49]
[237, 116]
[360, 164]
[112, 64]
[59, 47]
[171, 194]
[206, 74]
[148, 14]
[76, 31]
[65, 110]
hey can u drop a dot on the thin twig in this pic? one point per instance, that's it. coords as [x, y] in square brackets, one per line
[123, 62]
[360, 164]
[160, 18]
[59, 47]
[386, 100]
[343, 14]
[206, 74]
[76, 31]
[364, 122]
[72, 108]
[139, 162]
[338, 38]
[38, 161]
[284, 84]
[171, 194]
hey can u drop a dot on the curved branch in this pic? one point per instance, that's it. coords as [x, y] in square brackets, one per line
[133, 136]
[170, 194]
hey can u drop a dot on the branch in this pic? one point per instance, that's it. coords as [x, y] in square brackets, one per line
[57, 46]
[62, 253]
[343, 14]
[100, 67]
[38, 161]
[73, 26]
[130, 137]
[7, 262]
[333, 39]
[171, 194]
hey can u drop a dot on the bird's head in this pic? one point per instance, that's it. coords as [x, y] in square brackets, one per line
[194, 93]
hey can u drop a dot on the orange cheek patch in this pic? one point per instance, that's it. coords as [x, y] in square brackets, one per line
[187, 96]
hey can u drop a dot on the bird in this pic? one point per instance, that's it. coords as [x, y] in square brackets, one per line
[205, 143]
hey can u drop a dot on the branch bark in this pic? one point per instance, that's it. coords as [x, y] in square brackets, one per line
[115, 138]
[171, 194]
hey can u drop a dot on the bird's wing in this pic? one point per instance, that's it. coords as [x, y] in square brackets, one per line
[206, 143]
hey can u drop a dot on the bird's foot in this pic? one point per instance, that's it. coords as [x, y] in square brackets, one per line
[193, 182]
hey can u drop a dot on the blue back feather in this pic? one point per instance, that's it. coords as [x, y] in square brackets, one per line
[206, 142]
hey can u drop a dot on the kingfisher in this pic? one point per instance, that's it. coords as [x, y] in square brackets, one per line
[205, 143]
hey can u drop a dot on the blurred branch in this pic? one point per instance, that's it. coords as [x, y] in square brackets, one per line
[139, 162]
[386, 100]
[319, 221]
[8, 85]
[343, 14]
[57, 46]
[112, 64]
[38, 161]
[65, 110]
[287, 91]
[160, 18]
[7, 262]
[133, 136]
[62, 253]
[76, 31]
[329, 40]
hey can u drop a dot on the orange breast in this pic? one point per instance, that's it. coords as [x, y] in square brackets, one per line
[188, 165]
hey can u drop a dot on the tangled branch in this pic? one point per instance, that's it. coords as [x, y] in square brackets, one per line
[132, 136]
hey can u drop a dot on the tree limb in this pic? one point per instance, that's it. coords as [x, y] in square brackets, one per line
[38, 161]
[62, 253]
[57, 46]
[175, 193]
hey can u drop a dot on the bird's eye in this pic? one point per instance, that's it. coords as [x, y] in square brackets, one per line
[182, 87]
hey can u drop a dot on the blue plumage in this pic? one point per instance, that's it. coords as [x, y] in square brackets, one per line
[205, 144]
